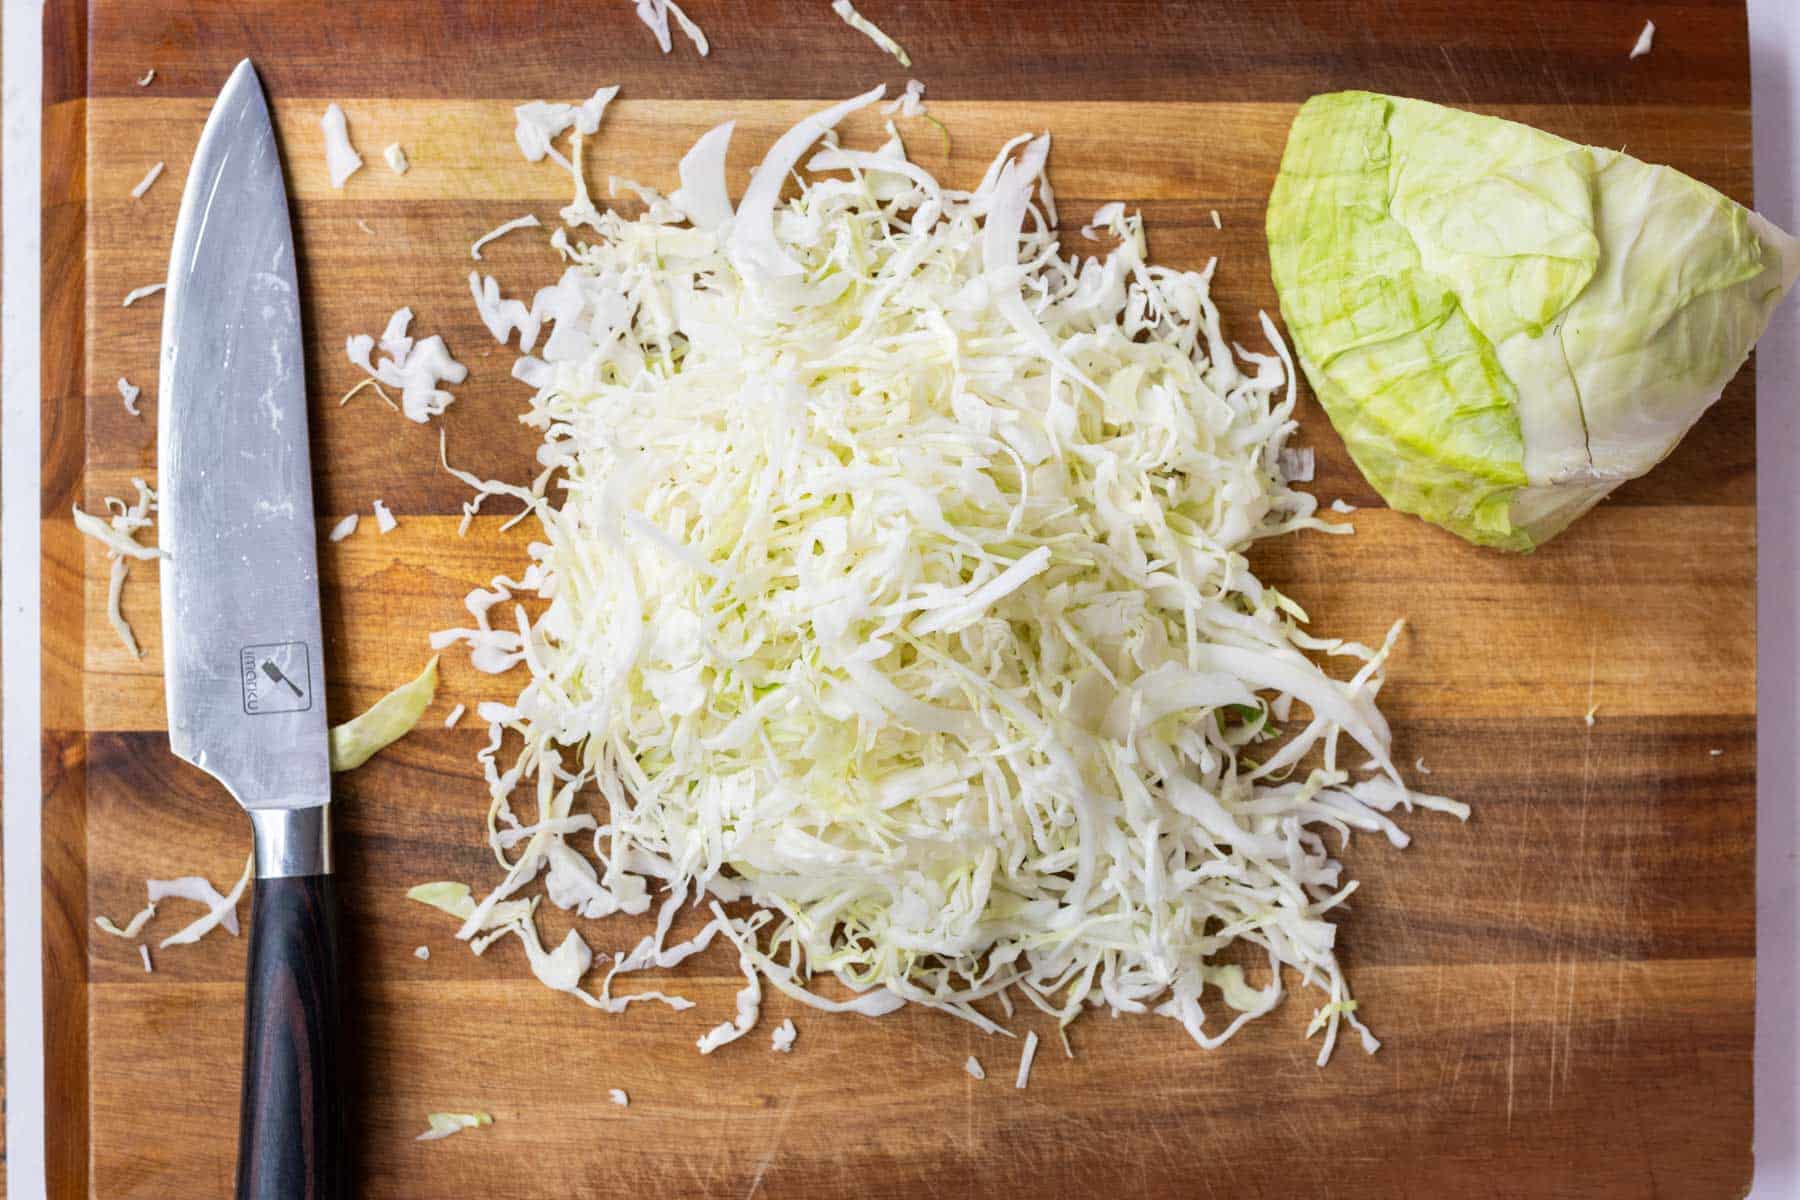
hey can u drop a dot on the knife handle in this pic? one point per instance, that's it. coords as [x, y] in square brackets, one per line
[293, 1139]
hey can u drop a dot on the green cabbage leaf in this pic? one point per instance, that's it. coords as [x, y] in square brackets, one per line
[1504, 325]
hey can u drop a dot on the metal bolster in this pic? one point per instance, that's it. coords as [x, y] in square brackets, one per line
[292, 841]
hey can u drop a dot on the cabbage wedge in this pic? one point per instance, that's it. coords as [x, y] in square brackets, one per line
[1504, 326]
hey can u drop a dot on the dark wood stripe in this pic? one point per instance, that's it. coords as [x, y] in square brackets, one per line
[65, 57]
[63, 318]
[462, 151]
[1496, 1080]
[1566, 854]
[962, 49]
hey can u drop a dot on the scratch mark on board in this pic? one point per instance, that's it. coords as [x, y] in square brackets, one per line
[1592, 708]
[1551, 74]
[1555, 985]
[1456, 74]
[762, 1167]
[1512, 1000]
[969, 1099]
[1618, 1021]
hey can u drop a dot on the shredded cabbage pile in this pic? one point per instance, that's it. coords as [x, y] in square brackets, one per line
[895, 573]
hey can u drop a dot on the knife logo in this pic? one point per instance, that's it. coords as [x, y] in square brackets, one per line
[277, 677]
[274, 672]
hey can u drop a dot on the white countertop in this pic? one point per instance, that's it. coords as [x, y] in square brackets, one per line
[1775, 85]
[1775, 105]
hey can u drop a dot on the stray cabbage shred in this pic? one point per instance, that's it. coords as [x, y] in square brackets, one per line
[655, 15]
[892, 578]
[221, 909]
[118, 533]
[1025, 1057]
[143, 185]
[131, 928]
[415, 366]
[197, 888]
[222, 912]
[847, 11]
[341, 159]
[443, 1124]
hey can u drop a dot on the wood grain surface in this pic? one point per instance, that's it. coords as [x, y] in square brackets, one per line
[1564, 986]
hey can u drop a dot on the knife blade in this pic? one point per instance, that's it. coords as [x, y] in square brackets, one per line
[236, 517]
[243, 662]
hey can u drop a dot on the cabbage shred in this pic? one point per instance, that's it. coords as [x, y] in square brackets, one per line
[896, 583]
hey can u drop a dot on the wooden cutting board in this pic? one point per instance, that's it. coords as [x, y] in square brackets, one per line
[1564, 986]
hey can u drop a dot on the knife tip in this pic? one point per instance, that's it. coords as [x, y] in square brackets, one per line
[243, 90]
[244, 73]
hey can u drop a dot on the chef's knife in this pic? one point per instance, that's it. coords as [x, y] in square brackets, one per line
[242, 654]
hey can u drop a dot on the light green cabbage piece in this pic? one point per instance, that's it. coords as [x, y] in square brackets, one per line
[452, 898]
[1504, 325]
[356, 741]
